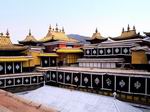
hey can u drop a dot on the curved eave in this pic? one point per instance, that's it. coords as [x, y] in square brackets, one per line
[48, 55]
[14, 59]
[12, 48]
[24, 42]
[102, 39]
[125, 38]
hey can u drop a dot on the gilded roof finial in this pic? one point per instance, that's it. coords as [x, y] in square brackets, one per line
[134, 28]
[63, 29]
[96, 30]
[29, 32]
[122, 29]
[7, 33]
[56, 28]
[50, 27]
[1, 34]
[128, 28]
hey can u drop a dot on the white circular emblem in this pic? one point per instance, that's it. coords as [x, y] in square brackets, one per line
[9, 67]
[122, 83]
[18, 81]
[17, 66]
[53, 76]
[117, 50]
[60, 76]
[45, 61]
[108, 51]
[125, 50]
[101, 51]
[9, 81]
[86, 80]
[87, 52]
[94, 51]
[97, 81]
[1, 82]
[76, 79]
[137, 84]
[53, 61]
[27, 80]
[1, 67]
[68, 77]
[108, 81]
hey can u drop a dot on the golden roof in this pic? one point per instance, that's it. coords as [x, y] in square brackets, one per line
[57, 34]
[129, 34]
[6, 44]
[29, 38]
[97, 35]
[69, 50]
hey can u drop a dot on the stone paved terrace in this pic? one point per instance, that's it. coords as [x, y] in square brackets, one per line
[13, 103]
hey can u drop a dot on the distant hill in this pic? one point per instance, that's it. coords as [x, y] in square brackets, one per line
[78, 37]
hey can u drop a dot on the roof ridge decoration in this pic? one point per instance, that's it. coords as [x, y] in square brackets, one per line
[30, 37]
[128, 34]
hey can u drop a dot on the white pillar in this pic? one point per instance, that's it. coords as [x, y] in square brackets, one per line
[115, 84]
[129, 84]
[146, 86]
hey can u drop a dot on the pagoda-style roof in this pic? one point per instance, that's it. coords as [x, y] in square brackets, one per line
[29, 40]
[129, 34]
[7, 45]
[96, 38]
[57, 34]
[147, 33]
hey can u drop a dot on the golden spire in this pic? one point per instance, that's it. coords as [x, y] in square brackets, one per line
[29, 32]
[56, 28]
[63, 30]
[96, 30]
[7, 33]
[122, 29]
[134, 28]
[50, 27]
[128, 28]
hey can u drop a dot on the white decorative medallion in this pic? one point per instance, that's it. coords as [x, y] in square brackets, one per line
[68, 77]
[86, 80]
[116, 50]
[101, 51]
[87, 52]
[108, 81]
[76, 79]
[137, 84]
[1, 67]
[9, 67]
[1, 82]
[122, 83]
[108, 51]
[94, 51]
[97, 81]
[17, 66]
[125, 50]
[9, 81]
[53, 76]
[60, 76]
[45, 61]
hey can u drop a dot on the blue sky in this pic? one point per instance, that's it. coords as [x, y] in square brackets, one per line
[77, 16]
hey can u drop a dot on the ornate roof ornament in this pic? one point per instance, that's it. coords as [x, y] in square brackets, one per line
[134, 28]
[128, 28]
[122, 29]
[30, 32]
[7, 33]
[56, 27]
[96, 31]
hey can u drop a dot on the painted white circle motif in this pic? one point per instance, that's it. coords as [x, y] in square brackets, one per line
[60, 76]
[41, 78]
[9, 67]
[1, 67]
[68, 77]
[86, 80]
[87, 52]
[53, 61]
[76, 79]
[34, 79]
[48, 76]
[108, 51]
[94, 51]
[53, 75]
[97, 81]
[101, 51]
[1, 82]
[117, 50]
[108, 81]
[27, 80]
[9, 81]
[137, 84]
[125, 50]
[122, 83]
[18, 81]
[17, 66]
[45, 61]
